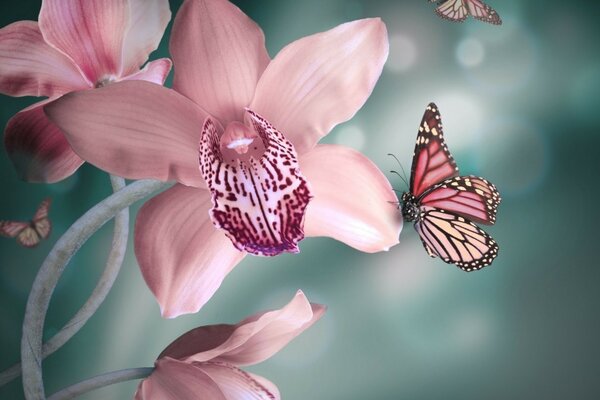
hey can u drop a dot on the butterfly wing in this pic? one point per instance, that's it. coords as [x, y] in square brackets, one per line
[455, 240]
[481, 11]
[453, 10]
[40, 219]
[29, 237]
[432, 162]
[471, 197]
[43, 227]
[12, 228]
[42, 210]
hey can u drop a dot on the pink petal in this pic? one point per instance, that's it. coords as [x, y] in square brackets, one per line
[353, 202]
[91, 33]
[239, 385]
[37, 148]
[219, 54]
[155, 71]
[176, 380]
[147, 22]
[267, 384]
[183, 258]
[30, 67]
[198, 340]
[259, 204]
[250, 341]
[133, 129]
[322, 80]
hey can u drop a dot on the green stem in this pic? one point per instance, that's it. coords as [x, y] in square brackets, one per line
[101, 381]
[53, 267]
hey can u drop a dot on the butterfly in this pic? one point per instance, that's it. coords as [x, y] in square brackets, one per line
[29, 234]
[443, 205]
[457, 11]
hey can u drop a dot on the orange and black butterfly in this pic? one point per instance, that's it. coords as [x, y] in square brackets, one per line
[458, 10]
[443, 205]
[29, 234]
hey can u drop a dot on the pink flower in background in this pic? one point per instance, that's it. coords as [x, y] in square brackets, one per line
[255, 123]
[75, 45]
[205, 362]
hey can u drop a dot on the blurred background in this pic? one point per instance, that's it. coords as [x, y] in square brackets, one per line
[518, 108]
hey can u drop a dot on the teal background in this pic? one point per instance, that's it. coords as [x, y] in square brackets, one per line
[519, 104]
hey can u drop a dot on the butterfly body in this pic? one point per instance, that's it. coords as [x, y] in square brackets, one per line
[410, 207]
[443, 205]
[29, 234]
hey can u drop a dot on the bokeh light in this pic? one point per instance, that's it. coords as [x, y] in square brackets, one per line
[403, 53]
[470, 52]
[400, 279]
[510, 60]
[472, 329]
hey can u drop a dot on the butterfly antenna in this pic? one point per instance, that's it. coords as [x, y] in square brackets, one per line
[402, 168]
[401, 177]
[397, 173]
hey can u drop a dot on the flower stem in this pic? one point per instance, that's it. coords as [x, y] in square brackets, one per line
[99, 381]
[113, 266]
[51, 270]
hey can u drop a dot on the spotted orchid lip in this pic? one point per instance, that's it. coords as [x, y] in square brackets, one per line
[260, 204]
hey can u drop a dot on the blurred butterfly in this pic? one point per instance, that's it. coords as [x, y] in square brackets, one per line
[443, 204]
[29, 234]
[457, 11]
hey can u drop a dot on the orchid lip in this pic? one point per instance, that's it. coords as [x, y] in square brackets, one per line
[259, 202]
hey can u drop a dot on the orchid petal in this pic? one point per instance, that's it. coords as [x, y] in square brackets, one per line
[91, 33]
[133, 129]
[252, 340]
[148, 20]
[237, 384]
[260, 204]
[175, 380]
[37, 148]
[155, 71]
[219, 54]
[322, 80]
[183, 258]
[267, 384]
[198, 340]
[30, 67]
[353, 202]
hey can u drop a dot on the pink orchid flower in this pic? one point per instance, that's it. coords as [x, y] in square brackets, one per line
[261, 170]
[204, 362]
[75, 45]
